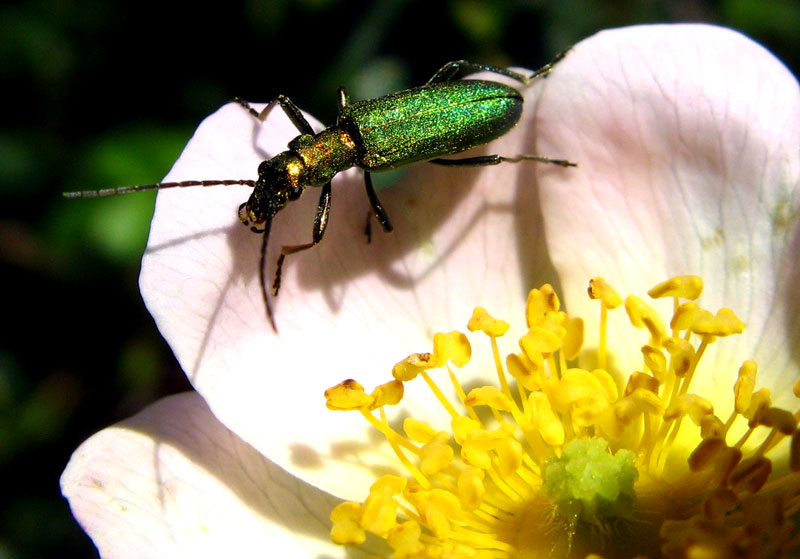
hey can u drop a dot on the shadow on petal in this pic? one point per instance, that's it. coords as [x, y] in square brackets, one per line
[179, 482]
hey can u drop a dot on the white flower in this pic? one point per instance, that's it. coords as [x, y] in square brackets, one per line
[687, 139]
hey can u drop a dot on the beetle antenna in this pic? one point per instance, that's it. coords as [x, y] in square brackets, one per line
[158, 186]
[262, 273]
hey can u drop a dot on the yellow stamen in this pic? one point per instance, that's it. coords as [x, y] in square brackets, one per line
[411, 366]
[563, 461]
[679, 287]
[453, 346]
[347, 395]
[483, 321]
[346, 529]
[743, 389]
[610, 299]
[643, 315]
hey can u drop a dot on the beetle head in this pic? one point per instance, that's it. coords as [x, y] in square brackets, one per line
[280, 180]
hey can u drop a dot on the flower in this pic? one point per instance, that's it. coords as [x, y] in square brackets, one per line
[686, 139]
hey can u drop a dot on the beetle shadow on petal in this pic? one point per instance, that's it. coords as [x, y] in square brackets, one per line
[446, 220]
[485, 221]
[416, 206]
[535, 262]
[196, 268]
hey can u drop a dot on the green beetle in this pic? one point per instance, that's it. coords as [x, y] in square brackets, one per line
[443, 117]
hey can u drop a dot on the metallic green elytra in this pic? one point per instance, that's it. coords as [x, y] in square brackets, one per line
[430, 121]
[443, 117]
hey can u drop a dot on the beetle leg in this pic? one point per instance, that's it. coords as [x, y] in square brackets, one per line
[457, 68]
[478, 161]
[320, 223]
[343, 99]
[453, 70]
[377, 207]
[288, 106]
[547, 68]
[483, 160]
[377, 210]
[261, 268]
[368, 227]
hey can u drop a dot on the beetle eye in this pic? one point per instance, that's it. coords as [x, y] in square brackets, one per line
[295, 193]
[263, 166]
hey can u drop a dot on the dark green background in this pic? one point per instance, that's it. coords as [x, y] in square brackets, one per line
[106, 94]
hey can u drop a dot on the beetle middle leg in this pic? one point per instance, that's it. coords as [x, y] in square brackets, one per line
[320, 223]
[483, 160]
[377, 210]
[374, 203]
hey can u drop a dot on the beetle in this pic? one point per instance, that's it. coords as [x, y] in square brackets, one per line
[443, 117]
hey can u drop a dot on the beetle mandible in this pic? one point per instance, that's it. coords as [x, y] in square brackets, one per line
[443, 117]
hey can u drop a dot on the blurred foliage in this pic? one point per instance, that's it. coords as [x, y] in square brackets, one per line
[106, 93]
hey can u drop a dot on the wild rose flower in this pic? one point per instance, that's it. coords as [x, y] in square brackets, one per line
[687, 143]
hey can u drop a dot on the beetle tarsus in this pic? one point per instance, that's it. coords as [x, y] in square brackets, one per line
[368, 227]
[262, 276]
[286, 251]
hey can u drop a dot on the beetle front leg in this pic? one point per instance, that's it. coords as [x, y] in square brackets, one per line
[288, 106]
[320, 223]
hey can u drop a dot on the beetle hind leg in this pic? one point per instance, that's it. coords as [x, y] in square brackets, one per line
[457, 68]
[484, 160]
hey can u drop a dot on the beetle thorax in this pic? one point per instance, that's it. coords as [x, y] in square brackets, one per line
[325, 154]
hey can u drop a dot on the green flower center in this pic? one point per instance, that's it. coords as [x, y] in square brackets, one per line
[589, 484]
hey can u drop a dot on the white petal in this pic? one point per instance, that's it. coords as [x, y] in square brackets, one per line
[173, 482]
[687, 139]
[347, 309]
